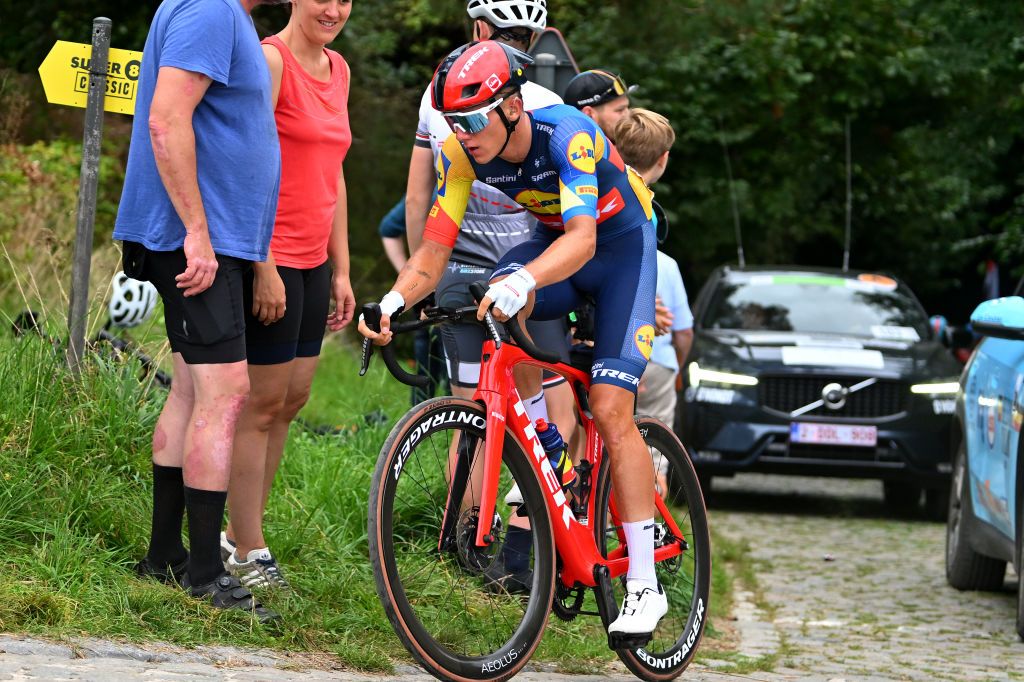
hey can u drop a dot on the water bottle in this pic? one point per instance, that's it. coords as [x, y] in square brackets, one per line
[557, 451]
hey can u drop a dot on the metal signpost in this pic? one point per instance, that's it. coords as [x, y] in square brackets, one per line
[97, 78]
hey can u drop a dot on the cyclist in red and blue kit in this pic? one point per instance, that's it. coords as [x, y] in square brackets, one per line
[595, 239]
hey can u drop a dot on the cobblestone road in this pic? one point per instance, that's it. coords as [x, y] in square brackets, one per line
[856, 595]
[844, 593]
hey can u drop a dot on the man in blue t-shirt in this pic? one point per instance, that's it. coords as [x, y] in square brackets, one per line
[197, 208]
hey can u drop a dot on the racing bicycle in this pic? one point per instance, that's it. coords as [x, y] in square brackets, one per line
[436, 524]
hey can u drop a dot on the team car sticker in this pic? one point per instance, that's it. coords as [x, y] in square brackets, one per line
[1017, 415]
[894, 333]
[580, 153]
[881, 281]
[832, 357]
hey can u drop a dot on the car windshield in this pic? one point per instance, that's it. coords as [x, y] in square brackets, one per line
[869, 305]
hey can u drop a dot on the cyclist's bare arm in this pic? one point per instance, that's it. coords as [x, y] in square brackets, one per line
[417, 279]
[567, 254]
[418, 193]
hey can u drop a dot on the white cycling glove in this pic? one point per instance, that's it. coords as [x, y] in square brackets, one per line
[391, 303]
[510, 294]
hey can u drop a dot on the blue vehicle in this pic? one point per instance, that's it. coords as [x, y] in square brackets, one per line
[986, 511]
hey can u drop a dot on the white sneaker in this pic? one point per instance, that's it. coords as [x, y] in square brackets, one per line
[227, 548]
[514, 498]
[258, 570]
[642, 608]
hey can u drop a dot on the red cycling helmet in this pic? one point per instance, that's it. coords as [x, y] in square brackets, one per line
[473, 74]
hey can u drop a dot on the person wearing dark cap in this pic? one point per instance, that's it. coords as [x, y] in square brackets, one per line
[601, 95]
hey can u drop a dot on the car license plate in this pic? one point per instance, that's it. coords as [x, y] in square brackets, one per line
[833, 434]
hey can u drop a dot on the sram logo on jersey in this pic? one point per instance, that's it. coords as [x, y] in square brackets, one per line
[581, 152]
[473, 60]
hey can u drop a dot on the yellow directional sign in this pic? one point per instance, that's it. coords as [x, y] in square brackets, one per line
[65, 76]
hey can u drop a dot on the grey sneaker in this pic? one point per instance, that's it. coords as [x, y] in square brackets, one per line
[227, 548]
[258, 570]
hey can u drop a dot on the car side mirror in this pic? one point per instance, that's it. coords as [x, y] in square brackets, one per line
[1002, 318]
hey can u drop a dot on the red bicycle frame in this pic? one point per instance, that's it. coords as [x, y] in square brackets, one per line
[575, 540]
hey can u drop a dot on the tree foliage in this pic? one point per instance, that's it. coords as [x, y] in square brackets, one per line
[930, 89]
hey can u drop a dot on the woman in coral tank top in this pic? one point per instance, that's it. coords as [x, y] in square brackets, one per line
[288, 296]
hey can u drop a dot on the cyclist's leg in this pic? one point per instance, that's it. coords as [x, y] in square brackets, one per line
[622, 277]
[549, 303]
[553, 335]
[463, 344]
[657, 398]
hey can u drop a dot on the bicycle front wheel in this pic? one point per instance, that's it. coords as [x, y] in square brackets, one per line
[437, 587]
[685, 578]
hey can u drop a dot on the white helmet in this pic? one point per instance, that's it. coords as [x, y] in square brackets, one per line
[531, 14]
[131, 301]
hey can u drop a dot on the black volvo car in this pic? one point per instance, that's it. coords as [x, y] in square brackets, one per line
[819, 372]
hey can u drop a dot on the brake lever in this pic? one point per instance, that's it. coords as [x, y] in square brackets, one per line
[479, 291]
[371, 315]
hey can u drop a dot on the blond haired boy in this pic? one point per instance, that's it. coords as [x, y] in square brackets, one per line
[644, 139]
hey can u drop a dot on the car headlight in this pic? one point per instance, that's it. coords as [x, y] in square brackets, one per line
[941, 387]
[697, 375]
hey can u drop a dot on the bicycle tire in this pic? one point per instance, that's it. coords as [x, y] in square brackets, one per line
[459, 630]
[686, 579]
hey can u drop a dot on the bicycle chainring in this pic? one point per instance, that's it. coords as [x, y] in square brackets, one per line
[568, 601]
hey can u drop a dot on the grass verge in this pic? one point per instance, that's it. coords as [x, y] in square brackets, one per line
[75, 503]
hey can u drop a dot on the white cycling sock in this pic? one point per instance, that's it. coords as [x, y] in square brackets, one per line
[536, 407]
[640, 541]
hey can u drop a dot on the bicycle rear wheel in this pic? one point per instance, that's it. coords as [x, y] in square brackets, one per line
[686, 578]
[430, 576]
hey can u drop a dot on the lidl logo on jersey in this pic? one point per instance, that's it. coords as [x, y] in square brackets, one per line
[443, 164]
[644, 338]
[539, 202]
[581, 152]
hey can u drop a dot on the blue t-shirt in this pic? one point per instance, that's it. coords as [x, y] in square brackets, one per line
[238, 160]
[393, 223]
[673, 296]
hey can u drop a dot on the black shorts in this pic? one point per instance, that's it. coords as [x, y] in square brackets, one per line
[208, 328]
[300, 332]
[463, 342]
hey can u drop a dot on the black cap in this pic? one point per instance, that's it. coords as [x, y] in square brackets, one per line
[594, 87]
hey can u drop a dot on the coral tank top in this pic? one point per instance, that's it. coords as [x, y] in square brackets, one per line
[313, 129]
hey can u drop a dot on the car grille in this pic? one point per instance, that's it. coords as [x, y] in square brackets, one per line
[785, 394]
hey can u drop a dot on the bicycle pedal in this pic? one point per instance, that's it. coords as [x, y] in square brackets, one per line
[623, 640]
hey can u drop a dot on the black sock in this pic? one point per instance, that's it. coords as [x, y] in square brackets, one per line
[165, 547]
[516, 551]
[205, 518]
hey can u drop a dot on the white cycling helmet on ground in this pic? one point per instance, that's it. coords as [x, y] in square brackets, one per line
[531, 14]
[131, 301]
